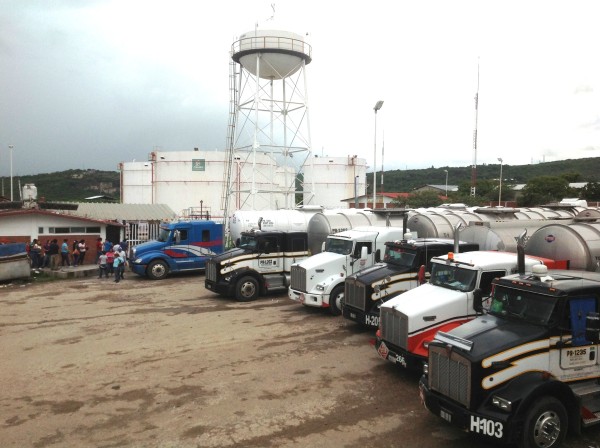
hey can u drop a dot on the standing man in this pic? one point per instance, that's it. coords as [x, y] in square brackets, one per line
[53, 254]
[64, 253]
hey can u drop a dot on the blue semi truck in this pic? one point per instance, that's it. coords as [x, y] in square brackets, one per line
[182, 246]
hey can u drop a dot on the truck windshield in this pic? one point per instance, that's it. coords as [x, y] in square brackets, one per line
[163, 236]
[248, 242]
[515, 304]
[453, 277]
[399, 256]
[337, 246]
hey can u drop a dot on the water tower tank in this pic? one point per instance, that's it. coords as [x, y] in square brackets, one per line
[282, 53]
[29, 192]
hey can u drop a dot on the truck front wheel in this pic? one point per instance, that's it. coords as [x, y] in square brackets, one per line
[335, 300]
[545, 424]
[246, 289]
[157, 270]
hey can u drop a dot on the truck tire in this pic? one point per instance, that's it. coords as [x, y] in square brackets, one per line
[335, 300]
[545, 424]
[157, 270]
[246, 289]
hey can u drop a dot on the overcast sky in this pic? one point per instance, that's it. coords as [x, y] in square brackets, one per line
[91, 83]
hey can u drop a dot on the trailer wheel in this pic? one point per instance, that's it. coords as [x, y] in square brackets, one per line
[157, 270]
[335, 300]
[545, 424]
[246, 289]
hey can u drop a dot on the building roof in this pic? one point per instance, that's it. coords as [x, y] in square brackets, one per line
[54, 214]
[125, 212]
[97, 211]
[439, 187]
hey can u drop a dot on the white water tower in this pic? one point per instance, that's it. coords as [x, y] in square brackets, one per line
[268, 116]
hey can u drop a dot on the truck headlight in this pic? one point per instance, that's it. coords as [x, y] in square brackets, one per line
[320, 287]
[137, 261]
[425, 368]
[502, 403]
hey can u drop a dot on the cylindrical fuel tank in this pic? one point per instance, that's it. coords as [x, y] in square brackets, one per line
[501, 235]
[439, 225]
[283, 219]
[328, 222]
[578, 242]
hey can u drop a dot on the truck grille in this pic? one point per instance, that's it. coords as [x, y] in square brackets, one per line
[394, 327]
[298, 281]
[355, 295]
[210, 272]
[449, 374]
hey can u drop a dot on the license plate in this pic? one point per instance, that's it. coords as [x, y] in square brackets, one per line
[353, 315]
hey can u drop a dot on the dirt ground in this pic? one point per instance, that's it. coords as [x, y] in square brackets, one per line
[91, 363]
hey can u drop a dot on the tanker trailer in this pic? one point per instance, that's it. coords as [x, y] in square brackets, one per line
[578, 243]
[323, 224]
[500, 235]
[286, 220]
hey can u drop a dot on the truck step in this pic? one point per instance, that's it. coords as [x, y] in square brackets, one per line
[586, 388]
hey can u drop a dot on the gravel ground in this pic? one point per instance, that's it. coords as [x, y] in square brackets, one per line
[91, 363]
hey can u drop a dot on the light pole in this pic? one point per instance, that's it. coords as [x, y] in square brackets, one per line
[500, 189]
[446, 171]
[10, 148]
[378, 105]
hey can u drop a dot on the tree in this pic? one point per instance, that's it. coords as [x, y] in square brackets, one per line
[591, 191]
[544, 189]
[422, 199]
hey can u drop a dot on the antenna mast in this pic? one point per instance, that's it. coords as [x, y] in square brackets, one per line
[474, 166]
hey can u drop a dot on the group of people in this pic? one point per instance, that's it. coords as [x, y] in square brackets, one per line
[109, 258]
[73, 254]
[43, 256]
[112, 262]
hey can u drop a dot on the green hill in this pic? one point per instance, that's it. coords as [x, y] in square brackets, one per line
[70, 185]
[76, 185]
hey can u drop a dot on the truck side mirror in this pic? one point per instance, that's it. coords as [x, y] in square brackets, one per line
[478, 300]
[377, 255]
[592, 327]
[177, 236]
[364, 252]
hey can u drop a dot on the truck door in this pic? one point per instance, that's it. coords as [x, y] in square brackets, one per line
[577, 356]
[179, 249]
[358, 263]
[269, 255]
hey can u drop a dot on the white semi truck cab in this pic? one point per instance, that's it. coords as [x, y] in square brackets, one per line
[318, 281]
[529, 370]
[458, 282]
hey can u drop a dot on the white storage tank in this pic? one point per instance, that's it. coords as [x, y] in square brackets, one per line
[136, 182]
[29, 192]
[330, 180]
